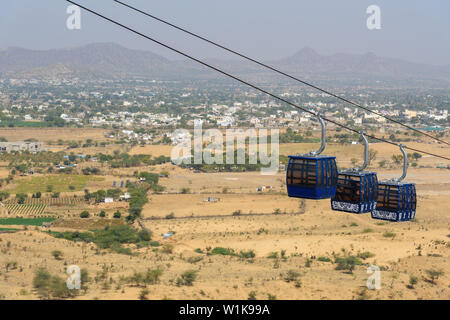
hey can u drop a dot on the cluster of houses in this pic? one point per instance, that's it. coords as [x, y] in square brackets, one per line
[21, 146]
[128, 119]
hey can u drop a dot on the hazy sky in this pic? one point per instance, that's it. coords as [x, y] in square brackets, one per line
[415, 30]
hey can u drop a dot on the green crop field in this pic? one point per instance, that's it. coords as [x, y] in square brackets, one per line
[24, 221]
[8, 229]
[59, 183]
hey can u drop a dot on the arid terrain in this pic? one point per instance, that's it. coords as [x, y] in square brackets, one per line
[270, 246]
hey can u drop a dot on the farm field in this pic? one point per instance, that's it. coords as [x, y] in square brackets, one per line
[59, 183]
[24, 221]
[25, 209]
[52, 134]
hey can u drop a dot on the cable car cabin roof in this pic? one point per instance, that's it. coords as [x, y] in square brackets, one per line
[356, 173]
[395, 183]
[312, 157]
[396, 201]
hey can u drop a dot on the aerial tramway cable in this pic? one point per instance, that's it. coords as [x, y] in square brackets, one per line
[245, 82]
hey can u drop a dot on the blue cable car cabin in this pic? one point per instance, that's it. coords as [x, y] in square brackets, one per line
[356, 192]
[311, 177]
[396, 201]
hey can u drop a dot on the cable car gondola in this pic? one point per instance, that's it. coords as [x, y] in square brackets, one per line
[312, 176]
[356, 189]
[396, 199]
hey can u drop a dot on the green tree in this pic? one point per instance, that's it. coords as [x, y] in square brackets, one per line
[84, 214]
[21, 197]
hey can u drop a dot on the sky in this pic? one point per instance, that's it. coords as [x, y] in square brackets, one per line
[413, 30]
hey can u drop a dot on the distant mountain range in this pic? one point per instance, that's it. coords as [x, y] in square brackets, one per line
[109, 60]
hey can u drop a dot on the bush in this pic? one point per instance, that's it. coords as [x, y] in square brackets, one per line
[102, 214]
[4, 195]
[413, 280]
[84, 215]
[143, 294]
[117, 215]
[41, 281]
[247, 254]
[48, 286]
[110, 237]
[389, 234]
[187, 278]
[37, 195]
[21, 197]
[57, 254]
[167, 248]
[170, 216]
[154, 243]
[116, 235]
[365, 255]
[291, 275]
[152, 276]
[222, 251]
[252, 295]
[185, 190]
[347, 263]
[434, 274]
[323, 259]
[145, 235]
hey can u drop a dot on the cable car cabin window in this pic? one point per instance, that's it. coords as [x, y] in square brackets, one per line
[302, 172]
[388, 197]
[348, 189]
